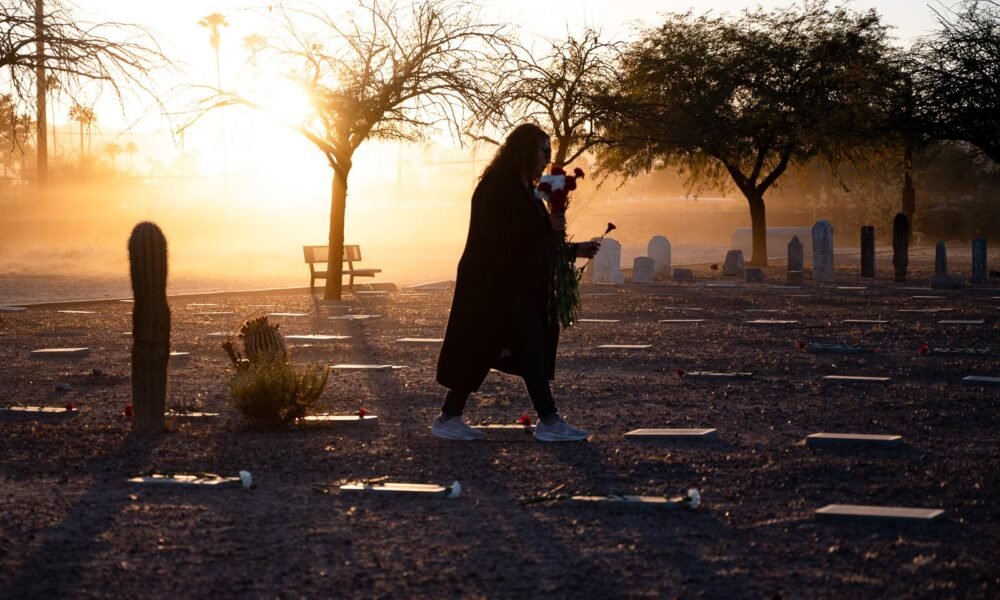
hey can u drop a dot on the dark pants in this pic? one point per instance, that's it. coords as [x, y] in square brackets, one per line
[528, 347]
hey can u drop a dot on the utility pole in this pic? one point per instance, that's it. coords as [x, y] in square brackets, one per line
[41, 129]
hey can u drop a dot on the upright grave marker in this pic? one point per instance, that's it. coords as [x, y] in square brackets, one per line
[658, 249]
[868, 251]
[607, 263]
[796, 262]
[643, 270]
[822, 237]
[733, 267]
[941, 277]
[900, 246]
[979, 260]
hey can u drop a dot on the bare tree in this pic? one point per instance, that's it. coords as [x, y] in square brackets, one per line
[39, 38]
[560, 91]
[384, 72]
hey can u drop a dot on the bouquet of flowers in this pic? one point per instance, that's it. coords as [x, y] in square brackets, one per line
[564, 279]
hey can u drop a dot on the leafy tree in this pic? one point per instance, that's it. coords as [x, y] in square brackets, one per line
[957, 77]
[739, 100]
[561, 91]
[385, 72]
[42, 38]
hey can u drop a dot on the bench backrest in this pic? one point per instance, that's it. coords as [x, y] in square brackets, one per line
[320, 254]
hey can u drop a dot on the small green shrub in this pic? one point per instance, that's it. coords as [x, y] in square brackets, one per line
[277, 392]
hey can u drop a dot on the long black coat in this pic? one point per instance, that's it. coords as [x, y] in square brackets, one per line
[505, 255]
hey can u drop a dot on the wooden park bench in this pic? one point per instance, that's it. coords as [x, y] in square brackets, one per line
[320, 254]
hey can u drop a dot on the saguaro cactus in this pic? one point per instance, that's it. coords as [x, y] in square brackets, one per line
[147, 255]
[901, 246]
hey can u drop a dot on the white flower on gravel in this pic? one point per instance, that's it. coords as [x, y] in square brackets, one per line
[694, 497]
[246, 479]
[456, 489]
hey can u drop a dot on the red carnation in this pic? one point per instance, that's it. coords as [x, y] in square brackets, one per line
[524, 420]
[362, 412]
[127, 412]
[801, 346]
[611, 227]
[70, 406]
[578, 172]
[714, 266]
[679, 373]
[924, 349]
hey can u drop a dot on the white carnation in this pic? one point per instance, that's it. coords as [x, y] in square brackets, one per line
[246, 479]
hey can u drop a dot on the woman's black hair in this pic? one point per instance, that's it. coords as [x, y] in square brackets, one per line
[516, 156]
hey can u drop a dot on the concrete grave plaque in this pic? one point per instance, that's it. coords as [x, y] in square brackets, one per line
[372, 293]
[410, 489]
[625, 346]
[598, 295]
[60, 353]
[638, 501]
[179, 355]
[681, 308]
[672, 434]
[643, 270]
[287, 314]
[852, 439]
[354, 317]
[733, 265]
[658, 249]
[219, 313]
[315, 337]
[506, 433]
[822, 238]
[917, 289]
[599, 321]
[217, 334]
[770, 322]
[202, 304]
[927, 297]
[681, 321]
[816, 348]
[961, 351]
[852, 288]
[420, 340]
[925, 310]
[721, 285]
[12, 309]
[763, 310]
[31, 412]
[172, 414]
[866, 321]
[855, 379]
[433, 286]
[199, 480]
[326, 418]
[78, 312]
[962, 322]
[980, 380]
[711, 376]
[891, 513]
[357, 367]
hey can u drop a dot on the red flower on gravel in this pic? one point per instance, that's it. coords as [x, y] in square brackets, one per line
[801, 346]
[70, 406]
[524, 420]
[714, 266]
[362, 412]
[128, 412]
[679, 373]
[923, 349]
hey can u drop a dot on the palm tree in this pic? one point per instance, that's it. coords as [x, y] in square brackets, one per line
[84, 116]
[131, 149]
[113, 149]
[213, 22]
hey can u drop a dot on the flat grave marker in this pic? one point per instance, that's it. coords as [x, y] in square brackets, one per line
[686, 502]
[925, 310]
[980, 380]
[77, 312]
[891, 513]
[852, 439]
[681, 308]
[215, 334]
[681, 321]
[852, 288]
[916, 289]
[194, 480]
[763, 310]
[816, 348]
[720, 285]
[60, 352]
[770, 322]
[354, 317]
[360, 367]
[287, 314]
[328, 418]
[315, 337]
[217, 313]
[672, 434]
[497, 432]
[713, 375]
[409, 340]
[179, 355]
[855, 379]
[928, 297]
[172, 414]
[625, 346]
[866, 321]
[406, 489]
[598, 321]
[962, 322]
[202, 304]
[961, 351]
[29, 412]
[12, 309]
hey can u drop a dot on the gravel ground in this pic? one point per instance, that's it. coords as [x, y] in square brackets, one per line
[71, 526]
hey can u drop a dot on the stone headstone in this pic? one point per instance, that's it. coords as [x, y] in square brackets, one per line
[979, 260]
[941, 279]
[733, 266]
[658, 249]
[754, 275]
[822, 238]
[900, 246]
[868, 251]
[607, 263]
[796, 262]
[683, 276]
[643, 270]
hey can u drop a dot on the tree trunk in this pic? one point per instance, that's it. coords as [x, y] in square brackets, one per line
[338, 206]
[41, 130]
[758, 222]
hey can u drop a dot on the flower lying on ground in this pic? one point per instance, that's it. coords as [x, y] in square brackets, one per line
[694, 498]
[246, 479]
[128, 412]
[70, 406]
[679, 373]
[362, 412]
[801, 345]
[524, 420]
[923, 349]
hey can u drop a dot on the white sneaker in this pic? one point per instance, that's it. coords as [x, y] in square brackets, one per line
[560, 431]
[454, 428]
